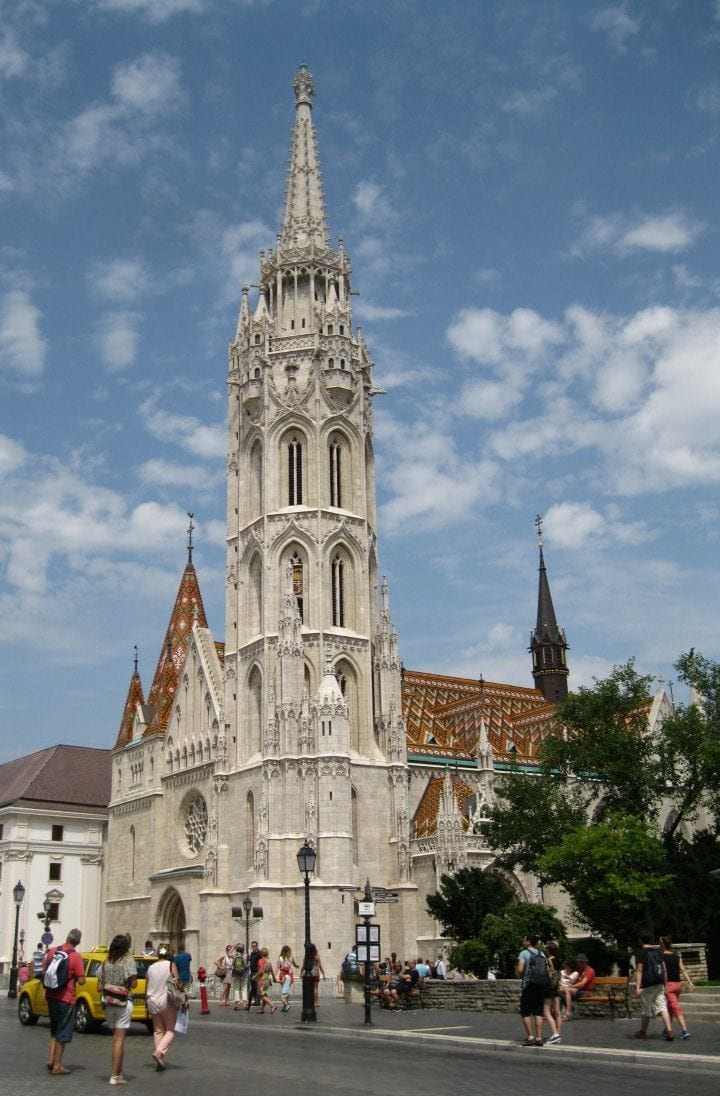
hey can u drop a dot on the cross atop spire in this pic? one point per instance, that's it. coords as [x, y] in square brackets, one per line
[191, 527]
[304, 221]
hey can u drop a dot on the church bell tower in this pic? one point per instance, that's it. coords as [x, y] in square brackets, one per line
[312, 672]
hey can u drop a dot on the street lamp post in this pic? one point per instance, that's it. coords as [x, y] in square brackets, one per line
[47, 906]
[18, 895]
[247, 906]
[306, 862]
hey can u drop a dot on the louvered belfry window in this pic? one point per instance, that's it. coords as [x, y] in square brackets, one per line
[295, 473]
[338, 592]
[335, 475]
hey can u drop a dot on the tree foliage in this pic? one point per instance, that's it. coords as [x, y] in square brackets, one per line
[502, 933]
[613, 870]
[590, 820]
[463, 900]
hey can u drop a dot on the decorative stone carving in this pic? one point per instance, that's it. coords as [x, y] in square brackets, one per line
[195, 823]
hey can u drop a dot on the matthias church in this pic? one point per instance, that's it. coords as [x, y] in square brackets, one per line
[301, 724]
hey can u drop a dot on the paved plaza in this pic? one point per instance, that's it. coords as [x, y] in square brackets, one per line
[421, 1052]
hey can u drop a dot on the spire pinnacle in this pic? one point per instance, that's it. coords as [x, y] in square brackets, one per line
[304, 220]
[190, 533]
[547, 643]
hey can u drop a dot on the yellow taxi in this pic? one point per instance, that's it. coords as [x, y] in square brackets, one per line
[90, 1014]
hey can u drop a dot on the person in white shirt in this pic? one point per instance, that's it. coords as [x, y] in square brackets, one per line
[440, 968]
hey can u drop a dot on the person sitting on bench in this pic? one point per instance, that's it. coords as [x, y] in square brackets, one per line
[583, 986]
[399, 987]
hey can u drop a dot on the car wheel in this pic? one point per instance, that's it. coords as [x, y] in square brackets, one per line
[84, 1022]
[25, 1011]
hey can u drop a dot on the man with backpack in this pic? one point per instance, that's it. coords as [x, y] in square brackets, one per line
[532, 968]
[63, 970]
[650, 979]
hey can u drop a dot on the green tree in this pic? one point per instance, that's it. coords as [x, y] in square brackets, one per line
[463, 900]
[612, 870]
[531, 814]
[502, 933]
[471, 955]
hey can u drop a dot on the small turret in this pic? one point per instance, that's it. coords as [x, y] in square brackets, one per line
[547, 643]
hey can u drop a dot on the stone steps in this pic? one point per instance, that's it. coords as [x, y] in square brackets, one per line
[704, 1004]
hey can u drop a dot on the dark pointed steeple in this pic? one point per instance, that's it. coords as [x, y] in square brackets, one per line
[547, 643]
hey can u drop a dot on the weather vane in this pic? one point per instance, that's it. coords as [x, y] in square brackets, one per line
[538, 526]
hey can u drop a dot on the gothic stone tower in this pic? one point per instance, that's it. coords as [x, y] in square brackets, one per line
[312, 708]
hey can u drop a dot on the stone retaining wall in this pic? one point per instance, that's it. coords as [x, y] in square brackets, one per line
[502, 995]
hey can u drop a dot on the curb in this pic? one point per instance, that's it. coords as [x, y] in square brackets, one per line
[710, 1062]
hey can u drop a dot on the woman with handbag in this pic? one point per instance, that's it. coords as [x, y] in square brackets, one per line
[117, 977]
[164, 996]
[224, 971]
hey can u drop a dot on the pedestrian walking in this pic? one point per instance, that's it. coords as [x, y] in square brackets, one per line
[285, 974]
[263, 980]
[650, 979]
[551, 1008]
[675, 969]
[239, 977]
[61, 998]
[117, 979]
[160, 1006]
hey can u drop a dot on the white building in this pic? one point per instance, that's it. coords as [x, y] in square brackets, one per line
[53, 816]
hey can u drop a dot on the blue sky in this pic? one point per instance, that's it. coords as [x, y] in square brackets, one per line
[528, 193]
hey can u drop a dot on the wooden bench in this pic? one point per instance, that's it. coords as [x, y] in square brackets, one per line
[411, 999]
[613, 992]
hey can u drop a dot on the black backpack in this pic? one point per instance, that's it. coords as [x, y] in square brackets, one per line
[653, 967]
[538, 971]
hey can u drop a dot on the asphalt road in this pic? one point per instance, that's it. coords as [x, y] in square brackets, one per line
[276, 1056]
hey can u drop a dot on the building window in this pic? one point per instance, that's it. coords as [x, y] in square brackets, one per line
[55, 873]
[57, 833]
[335, 476]
[331, 363]
[54, 911]
[338, 592]
[295, 473]
[330, 329]
[2, 830]
[297, 583]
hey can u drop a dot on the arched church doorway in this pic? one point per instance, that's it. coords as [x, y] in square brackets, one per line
[170, 918]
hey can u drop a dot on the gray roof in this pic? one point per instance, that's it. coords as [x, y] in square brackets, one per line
[77, 776]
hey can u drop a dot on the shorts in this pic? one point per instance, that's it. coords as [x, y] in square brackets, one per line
[532, 1000]
[62, 1020]
[653, 1000]
[118, 1018]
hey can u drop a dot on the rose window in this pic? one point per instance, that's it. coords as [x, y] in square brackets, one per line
[196, 823]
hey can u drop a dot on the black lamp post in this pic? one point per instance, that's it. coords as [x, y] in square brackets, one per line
[47, 906]
[247, 906]
[306, 862]
[18, 895]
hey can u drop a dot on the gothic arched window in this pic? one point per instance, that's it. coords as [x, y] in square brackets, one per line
[338, 592]
[295, 472]
[297, 582]
[335, 473]
[256, 474]
[255, 596]
[255, 701]
[250, 831]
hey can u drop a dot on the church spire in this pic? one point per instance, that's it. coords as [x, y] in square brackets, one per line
[547, 643]
[305, 206]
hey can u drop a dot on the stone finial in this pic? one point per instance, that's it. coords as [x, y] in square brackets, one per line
[303, 86]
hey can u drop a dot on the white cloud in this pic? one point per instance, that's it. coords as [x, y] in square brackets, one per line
[209, 442]
[532, 104]
[155, 11]
[487, 337]
[429, 482]
[165, 473]
[150, 84]
[364, 310]
[119, 279]
[371, 202]
[663, 233]
[117, 339]
[14, 60]
[617, 24]
[22, 347]
[12, 455]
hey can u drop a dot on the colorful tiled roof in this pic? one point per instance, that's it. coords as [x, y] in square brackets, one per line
[134, 697]
[442, 716]
[424, 821]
